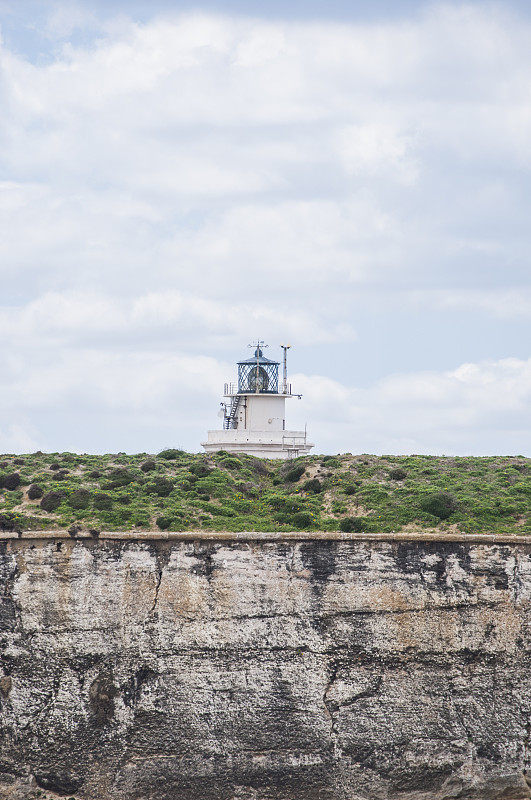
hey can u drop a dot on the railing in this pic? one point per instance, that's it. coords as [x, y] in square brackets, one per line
[232, 389]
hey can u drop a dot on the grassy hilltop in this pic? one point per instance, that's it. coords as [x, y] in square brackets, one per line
[178, 491]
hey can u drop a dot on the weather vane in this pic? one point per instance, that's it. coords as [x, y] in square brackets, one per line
[258, 344]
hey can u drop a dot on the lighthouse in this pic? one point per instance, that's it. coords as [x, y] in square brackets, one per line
[254, 413]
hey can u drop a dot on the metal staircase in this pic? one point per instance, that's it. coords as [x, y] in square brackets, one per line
[230, 417]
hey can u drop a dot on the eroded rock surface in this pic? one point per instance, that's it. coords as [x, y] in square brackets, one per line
[315, 670]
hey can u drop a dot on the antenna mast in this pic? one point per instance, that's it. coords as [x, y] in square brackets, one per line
[285, 347]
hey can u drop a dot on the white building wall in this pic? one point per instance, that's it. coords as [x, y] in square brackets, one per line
[264, 444]
[260, 431]
[262, 413]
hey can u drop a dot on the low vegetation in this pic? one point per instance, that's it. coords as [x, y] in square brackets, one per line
[177, 491]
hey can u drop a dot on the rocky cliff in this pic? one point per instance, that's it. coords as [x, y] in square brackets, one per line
[249, 668]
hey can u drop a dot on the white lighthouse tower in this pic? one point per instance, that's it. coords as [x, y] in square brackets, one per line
[254, 418]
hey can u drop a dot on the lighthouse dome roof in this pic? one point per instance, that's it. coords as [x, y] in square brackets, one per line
[260, 358]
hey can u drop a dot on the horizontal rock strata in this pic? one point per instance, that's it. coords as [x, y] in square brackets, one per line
[265, 670]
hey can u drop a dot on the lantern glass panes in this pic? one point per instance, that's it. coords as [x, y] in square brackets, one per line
[258, 375]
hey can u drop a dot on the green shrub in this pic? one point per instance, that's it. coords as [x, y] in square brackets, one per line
[52, 500]
[349, 488]
[352, 524]
[9, 522]
[11, 481]
[282, 502]
[171, 454]
[259, 467]
[230, 463]
[338, 507]
[330, 462]
[35, 491]
[161, 486]
[201, 470]
[102, 501]
[95, 473]
[164, 523]
[148, 466]
[440, 504]
[294, 474]
[223, 511]
[397, 474]
[122, 515]
[283, 518]
[61, 474]
[79, 499]
[313, 486]
[118, 478]
[302, 519]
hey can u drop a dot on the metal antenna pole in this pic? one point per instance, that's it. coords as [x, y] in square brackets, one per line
[285, 347]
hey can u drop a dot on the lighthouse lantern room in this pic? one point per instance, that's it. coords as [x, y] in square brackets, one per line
[254, 416]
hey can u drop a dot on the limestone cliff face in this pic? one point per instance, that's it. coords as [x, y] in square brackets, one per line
[265, 670]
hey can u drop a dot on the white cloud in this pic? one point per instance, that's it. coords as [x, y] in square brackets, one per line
[504, 304]
[76, 318]
[173, 188]
[65, 18]
[475, 409]
[376, 149]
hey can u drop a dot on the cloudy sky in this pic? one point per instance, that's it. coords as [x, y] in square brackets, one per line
[177, 179]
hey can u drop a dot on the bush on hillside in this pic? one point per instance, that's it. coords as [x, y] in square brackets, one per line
[294, 474]
[397, 474]
[79, 499]
[171, 454]
[440, 504]
[160, 486]
[313, 485]
[352, 524]
[117, 478]
[302, 519]
[9, 522]
[148, 466]
[259, 467]
[61, 474]
[331, 462]
[201, 470]
[35, 491]
[102, 501]
[52, 500]
[11, 481]
[230, 462]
